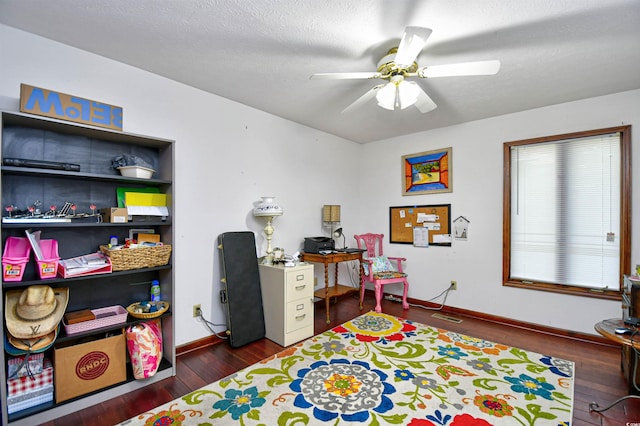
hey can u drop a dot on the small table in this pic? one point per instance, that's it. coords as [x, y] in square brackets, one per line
[607, 328]
[337, 289]
[630, 343]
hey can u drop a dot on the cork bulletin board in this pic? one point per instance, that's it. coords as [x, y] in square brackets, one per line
[422, 226]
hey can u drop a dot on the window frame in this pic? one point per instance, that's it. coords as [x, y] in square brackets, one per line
[625, 215]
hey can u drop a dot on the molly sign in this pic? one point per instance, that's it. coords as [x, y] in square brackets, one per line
[48, 103]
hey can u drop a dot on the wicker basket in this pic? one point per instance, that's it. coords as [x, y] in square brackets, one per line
[137, 258]
[163, 306]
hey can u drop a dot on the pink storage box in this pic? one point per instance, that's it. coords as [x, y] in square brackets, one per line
[48, 266]
[105, 317]
[15, 258]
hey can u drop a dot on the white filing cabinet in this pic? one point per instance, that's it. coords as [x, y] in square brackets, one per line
[287, 301]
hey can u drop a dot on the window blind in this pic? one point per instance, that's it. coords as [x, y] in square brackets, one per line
[565, 211]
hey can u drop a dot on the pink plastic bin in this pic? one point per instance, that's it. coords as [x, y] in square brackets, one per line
[15, 258]
[48, 266]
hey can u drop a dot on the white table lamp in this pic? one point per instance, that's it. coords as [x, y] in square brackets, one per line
[269, 209]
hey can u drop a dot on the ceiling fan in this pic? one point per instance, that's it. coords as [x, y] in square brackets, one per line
[398, 65]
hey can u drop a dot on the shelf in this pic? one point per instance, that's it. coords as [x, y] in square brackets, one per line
[79, 175]
[164, 371]
[63, 337]
[335, 291]
[136, 224]
[53, 281]
[54, 125]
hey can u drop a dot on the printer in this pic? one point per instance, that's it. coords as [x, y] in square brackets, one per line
[315, 244]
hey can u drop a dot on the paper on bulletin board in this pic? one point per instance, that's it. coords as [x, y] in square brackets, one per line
[442, 238]
[422, 217]
[420, 237]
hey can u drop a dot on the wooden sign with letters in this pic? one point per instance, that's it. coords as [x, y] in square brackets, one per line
[48, 103]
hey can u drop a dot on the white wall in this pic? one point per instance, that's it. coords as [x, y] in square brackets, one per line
[477, 195]
[228, 155]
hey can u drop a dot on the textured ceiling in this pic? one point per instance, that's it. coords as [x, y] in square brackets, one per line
[262, 52]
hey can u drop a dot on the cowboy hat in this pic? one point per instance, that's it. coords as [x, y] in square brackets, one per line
[35, 311]
[15, 346]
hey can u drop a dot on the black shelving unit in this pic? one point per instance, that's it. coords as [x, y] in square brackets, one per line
[36, 138]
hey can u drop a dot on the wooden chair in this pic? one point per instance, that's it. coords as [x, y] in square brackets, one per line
[379, 270]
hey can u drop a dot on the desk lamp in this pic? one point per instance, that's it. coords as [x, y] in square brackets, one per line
[337, 234]
[269, 209]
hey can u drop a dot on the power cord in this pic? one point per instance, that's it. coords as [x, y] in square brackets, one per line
[439, 308]
[354, 274]
[209, 324]
[593, 406]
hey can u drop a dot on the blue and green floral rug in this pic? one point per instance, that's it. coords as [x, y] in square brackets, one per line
[381, 370]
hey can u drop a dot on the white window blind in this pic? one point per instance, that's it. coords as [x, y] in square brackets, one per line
[565, 212]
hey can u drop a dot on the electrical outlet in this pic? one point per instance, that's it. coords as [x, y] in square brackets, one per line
[196, 311]
[454, 285]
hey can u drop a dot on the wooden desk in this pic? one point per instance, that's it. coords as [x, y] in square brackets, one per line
[629, 358]
[337, 289]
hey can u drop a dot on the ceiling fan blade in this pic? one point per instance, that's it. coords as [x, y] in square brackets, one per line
[462, 69]
[344, 75]
[413, 40]
[364, 98]
[424, 102]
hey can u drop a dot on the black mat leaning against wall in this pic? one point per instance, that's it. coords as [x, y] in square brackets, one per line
[241, 294]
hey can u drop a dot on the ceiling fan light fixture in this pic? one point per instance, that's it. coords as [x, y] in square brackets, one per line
[407, 93]
[398, 94]
[386, 96]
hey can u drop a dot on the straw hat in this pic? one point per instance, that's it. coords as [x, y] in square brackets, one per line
[35, 311]
[15, 346]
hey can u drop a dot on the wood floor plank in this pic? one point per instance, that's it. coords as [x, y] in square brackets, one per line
[598, 375]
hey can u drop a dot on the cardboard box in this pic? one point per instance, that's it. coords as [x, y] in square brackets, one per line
[85, 367]
[148, 238]
[115, 215]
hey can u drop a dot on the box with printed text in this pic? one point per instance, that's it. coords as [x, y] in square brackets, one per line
[83, 367]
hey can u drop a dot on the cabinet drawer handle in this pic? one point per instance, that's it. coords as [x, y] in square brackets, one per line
[300, 277]
[299, 317]
[300, 287]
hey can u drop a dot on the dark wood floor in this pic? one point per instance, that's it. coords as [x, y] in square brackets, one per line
[598, 375]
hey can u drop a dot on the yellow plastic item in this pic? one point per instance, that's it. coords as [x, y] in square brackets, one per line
[144, 199]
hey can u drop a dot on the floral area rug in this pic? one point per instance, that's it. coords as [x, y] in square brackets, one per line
[381, 370]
